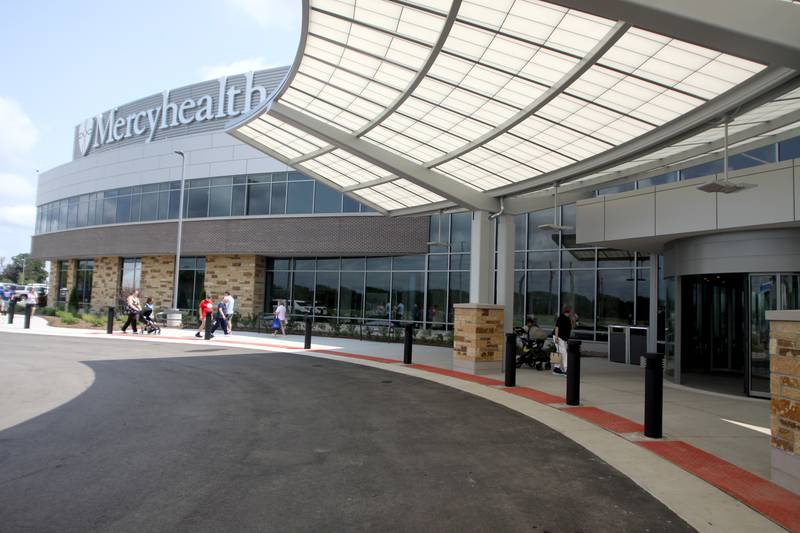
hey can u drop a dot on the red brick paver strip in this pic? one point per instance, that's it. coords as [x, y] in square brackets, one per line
[535, 395]
[605, 420]
[769, 499]
[459, 375]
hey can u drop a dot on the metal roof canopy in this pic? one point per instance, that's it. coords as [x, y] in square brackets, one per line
[412, 107]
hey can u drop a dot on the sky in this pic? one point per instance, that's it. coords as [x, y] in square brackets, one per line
[61, 62]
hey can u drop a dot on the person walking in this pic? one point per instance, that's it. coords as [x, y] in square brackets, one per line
[132, 307]
[561, 335]
[280, 314]
[230, 303]
[205, 310]
[220, 320]
[31, 299]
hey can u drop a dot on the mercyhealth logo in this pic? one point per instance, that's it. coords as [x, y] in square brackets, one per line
[107, 128]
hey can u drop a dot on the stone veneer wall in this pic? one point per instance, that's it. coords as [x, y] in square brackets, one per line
[157, 280]
[52, 294]
[105, 282]
[478, 338]
[242, 275]
[784, 360]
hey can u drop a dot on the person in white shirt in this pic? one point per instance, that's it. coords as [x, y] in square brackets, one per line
[132, 308]
[230, 303]
[280, 314]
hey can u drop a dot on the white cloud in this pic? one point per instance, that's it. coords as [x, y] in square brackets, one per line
[18, 215]
[239, 66]
[16, 187]
[18, 133]
[283, 14]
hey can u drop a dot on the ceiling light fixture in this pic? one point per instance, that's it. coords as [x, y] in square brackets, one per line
[724, 186]
[555, 226]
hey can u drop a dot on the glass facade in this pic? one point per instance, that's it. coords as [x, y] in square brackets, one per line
[83, 281]
[131, 277]
[61, 284]
[275, 193]
[191, 279]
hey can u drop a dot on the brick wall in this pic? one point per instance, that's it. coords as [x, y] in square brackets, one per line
[157, 280]
[105, 282]
[784, 361]
[241, 275]
[477, 337]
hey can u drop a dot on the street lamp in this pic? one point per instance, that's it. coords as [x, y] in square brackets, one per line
[180, 233]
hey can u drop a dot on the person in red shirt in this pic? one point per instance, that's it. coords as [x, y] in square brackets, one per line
[206, 310]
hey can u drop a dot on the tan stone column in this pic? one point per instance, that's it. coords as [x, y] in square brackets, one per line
[478, 341]
[105, 282]
[242, 276]
[784, 361]
[157, 279]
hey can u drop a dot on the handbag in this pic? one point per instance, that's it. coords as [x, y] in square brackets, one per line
[276, 323]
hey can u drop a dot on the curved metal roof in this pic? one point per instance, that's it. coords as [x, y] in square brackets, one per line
[417, 105]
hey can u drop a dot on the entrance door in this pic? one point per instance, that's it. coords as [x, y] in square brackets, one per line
[763, 298]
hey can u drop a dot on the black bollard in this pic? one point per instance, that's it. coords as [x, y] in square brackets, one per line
[511, 359]
[110, 323]
[307, 340]
[407, 343]
[653, 395]
[573, 372]
[12, 308]
[209, 324]
[28, 313]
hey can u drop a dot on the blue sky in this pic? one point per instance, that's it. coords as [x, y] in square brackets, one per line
[64, 61]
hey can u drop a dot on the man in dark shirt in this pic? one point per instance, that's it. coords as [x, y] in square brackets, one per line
[562, 333]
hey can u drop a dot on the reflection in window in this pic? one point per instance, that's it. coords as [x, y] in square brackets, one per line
[705, 169]
[327, 294]
[541, 238]
[577, 290]
[614, 298]
[460, 232]
[302, 294]
[299, 197]
[326, 200]
[408, 289]
[542, 298]
[577, 258]
[83, 281]
[459, 290]
[351, 294]
[752, 158]
[661, 179]
[377, 304]
[131, 277]
[789, 149]
[191, 281]
[437, 298]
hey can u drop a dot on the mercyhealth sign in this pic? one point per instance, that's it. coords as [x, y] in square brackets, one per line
[108, 128]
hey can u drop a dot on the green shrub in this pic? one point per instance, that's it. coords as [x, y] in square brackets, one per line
[47, 311]
[67, 317]
[72, 305]
[93, 319]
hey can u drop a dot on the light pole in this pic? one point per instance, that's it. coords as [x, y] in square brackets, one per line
[180, 233]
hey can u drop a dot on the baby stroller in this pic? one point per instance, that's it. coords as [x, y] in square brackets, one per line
[533, 351]
[149, 325]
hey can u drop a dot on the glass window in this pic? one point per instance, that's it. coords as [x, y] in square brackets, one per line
[615, 189]
[541, 238]
[149, 207]
[459, 261]
[62, 268]
[191, 282]
[542, 298]
[408, 292]
[789, 149]
[408, 262]
[577, 258]
[459, 291]
[83, 211]
[439, 232]
[327, 294]
[752, 158]
[614, 258]
[568, 220]
[83, 282]
[163, 206]
[131, 277]
[174, 203]
[304, 264]
[377, 295]
[349, 205]
[258, 198]
[328, 264]
[136, 200]
[277, 204]
[437, 297]
[197, 207]
[540, 260]
[293, 176]
[661, 179]
[437, 262]
[379, 263]
[519, 298]
[519, 260]
[790, 291]
[614, 299]
[642, 297]
[302, 293]
[326, 200]
[520, 231]
[279, 287]
[699, 171]
[238, 200]
[577, 290]
[109, 211]
[219, 202]
[460, 232]
[299, 197]
[123, 209]
[351, 297]
[353, 263]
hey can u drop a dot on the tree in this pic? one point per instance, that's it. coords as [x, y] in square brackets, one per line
[34, 271]
[73, 301]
